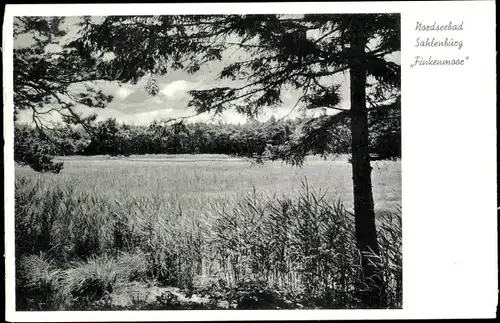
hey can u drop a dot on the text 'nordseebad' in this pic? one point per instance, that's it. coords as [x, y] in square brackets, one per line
[437, 27]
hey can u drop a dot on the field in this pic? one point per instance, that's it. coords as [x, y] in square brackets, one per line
[194, 181]
[201, 231]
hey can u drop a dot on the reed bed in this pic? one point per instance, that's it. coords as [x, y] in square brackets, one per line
[78, 243]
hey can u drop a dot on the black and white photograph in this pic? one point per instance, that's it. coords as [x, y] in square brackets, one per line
[196, 159]
[207, 162]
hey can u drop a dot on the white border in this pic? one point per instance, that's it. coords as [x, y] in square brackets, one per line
[449, 163]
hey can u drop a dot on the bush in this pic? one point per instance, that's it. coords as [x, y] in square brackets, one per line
[32, 149]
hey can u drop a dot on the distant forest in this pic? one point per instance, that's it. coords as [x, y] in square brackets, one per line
[109, 137]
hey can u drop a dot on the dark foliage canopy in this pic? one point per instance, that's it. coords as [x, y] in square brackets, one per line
[278, 55]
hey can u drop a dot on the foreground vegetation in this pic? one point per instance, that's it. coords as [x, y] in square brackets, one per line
[82, 244]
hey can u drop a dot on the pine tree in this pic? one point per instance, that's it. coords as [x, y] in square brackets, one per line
[43, 80]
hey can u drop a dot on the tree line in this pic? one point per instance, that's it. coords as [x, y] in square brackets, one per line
[254, 139]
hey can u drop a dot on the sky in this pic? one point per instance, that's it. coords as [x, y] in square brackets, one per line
[133, 105]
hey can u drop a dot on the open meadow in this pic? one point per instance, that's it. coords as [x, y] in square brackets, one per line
[196, 231]
[196, 181]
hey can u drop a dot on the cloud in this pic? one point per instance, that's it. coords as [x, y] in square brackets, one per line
[394, 57]
[123, 92]
[136, 95]
[133, 99]
[177, 88]
[23, 40]
[132, 103]
[53, 48]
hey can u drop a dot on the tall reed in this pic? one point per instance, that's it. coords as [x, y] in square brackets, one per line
[91, 245]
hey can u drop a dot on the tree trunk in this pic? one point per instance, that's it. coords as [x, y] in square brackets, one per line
[364, 213]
